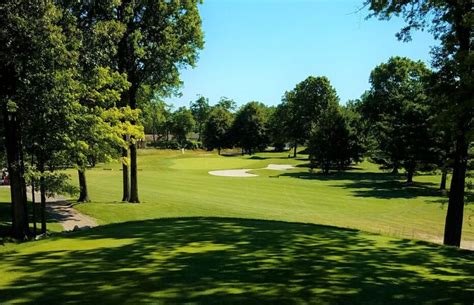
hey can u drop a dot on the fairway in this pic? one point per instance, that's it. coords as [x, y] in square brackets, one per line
[202, 239]
[173, 184]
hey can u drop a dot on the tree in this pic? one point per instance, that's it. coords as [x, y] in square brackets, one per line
[329, 143]
[249, 130]
[305, 104]
[277, 128]
[37, 75]
[156, 114]
[182, 124]
[397, 106]
[159, 38]
[200, 110]
[451, 23]
[227, 104]
[216, 129]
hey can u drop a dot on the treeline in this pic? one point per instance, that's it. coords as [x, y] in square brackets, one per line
[396, 123]
[72, 74]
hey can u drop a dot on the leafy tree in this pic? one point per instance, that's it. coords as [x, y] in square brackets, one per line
[200, 110]
[227, 104]
[249, 129]
[451, 22]
[182, 124]
[334, 143]
[159, 38]
[38, 87]
[397, 107]
[277, 128]
[217, 127]
[156, 114]
[305, 104]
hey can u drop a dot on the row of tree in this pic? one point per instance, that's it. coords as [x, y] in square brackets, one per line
[71, 75]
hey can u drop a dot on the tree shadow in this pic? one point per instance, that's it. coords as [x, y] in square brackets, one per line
[374, 184]
[235, 261]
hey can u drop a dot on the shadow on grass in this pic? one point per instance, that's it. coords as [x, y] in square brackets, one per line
[233, 261]
[378, 185]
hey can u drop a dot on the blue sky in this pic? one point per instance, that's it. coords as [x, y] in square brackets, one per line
[258, 49]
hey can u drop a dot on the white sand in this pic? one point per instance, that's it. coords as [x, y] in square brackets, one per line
[280, 167]
[244, 172]
[233, 173]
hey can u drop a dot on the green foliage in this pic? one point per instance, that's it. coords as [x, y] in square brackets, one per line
[398, 110]
[335, 143]
[249, 129]
[200, 110]
[216, 130]
[305, 104]
[182, 123]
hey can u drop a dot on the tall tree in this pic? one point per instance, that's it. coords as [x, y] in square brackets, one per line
[397, 106]
[249, 129]
[200, 109]
[37, 74]
[330, 144]
[159, 38]
[305, 104]
[183, 123]
[451, 22]
[216, 129]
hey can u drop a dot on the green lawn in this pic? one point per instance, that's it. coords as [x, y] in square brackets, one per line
[201, 239]
[176, 185]
[233, 261]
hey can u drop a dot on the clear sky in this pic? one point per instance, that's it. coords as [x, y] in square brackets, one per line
[258, 49]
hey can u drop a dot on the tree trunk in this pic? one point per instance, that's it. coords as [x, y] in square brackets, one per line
[133, 150]
[454, 216]
[410, 173]
[19, 229]
[33, 202]
[395, 170]
[295, 149]
[83, 193]
[133, 177]
[219, 151]
[444, 176]
[43, 198]
[126, 185]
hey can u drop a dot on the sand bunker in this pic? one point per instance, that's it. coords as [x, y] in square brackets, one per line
[280, 167]
[233, 173]
[244, 172]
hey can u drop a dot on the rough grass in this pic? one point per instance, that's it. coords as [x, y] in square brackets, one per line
[191, 241]
[233, 261]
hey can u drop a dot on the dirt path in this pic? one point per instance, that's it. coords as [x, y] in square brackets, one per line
[66, 214]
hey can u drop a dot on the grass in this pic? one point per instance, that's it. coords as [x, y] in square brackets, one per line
[233, 261]
[201, 239]
[175, 185]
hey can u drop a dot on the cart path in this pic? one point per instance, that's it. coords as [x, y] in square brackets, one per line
[65, 213]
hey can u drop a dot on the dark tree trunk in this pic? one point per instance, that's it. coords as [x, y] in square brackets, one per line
[43, 198]
[125, 179]
[295, 149]
[444, 176]
[133, 177]
[395, 170]
[20, 229]
[133, 150]
[33, 202]
[410, 173]
[454, 216]
[219, 151]
[83, 193]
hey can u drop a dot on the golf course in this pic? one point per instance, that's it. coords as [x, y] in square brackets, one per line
[281, 237]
